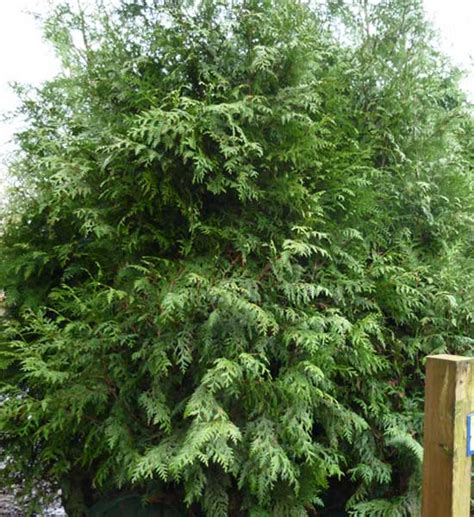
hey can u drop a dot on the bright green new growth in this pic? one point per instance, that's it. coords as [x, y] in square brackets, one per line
[238, 228]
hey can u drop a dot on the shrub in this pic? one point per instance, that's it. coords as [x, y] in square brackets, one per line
[237, 228]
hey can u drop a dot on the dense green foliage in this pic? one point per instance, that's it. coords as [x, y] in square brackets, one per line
[237, 229]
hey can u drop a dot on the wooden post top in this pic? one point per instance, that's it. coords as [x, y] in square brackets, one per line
[449, 357]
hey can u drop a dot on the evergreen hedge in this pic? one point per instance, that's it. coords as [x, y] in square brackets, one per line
[235, 231]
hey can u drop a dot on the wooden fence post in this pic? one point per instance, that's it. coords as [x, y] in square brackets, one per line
[446, 464]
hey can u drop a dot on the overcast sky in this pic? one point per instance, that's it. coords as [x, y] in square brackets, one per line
[24, 57]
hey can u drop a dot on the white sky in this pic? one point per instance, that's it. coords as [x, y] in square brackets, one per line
[25, 58]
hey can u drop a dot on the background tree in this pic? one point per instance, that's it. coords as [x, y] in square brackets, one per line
[237, 229]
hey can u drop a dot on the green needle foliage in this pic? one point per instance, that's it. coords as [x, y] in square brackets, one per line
[236, 230]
